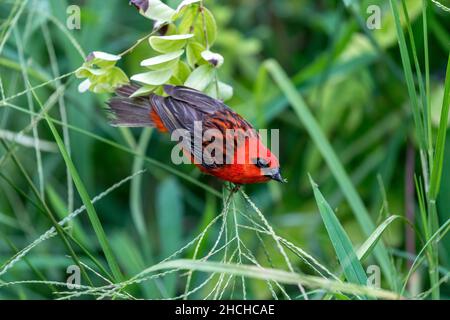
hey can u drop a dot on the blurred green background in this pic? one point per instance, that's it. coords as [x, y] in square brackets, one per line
[350, 77]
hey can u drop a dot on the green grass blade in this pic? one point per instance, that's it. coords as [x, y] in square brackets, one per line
[170, 221]
[137, 212]
[436, 173]
[370, 243]
[93, 217]
[425, 106]
[408, 75]
[353, 270]
[427, 66]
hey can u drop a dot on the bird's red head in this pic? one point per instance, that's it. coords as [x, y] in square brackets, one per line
[262, 164]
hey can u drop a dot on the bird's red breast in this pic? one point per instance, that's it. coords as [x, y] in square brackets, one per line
[241, 157]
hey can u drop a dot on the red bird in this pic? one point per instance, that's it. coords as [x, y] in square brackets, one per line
[181, 109]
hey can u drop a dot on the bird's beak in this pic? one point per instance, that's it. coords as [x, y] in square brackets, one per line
[276, 175]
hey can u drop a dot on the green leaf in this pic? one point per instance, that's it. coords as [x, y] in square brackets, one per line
[108, 82]
[200, 78]
[86, 72]
[102, 59]
[224, 90]
[101, 73]
[201, 23]
[153, 78]
[185, 3]
[194, 54]
[187, 23]
[181, 73]
[207, 28]
[343, 247]
[166, 44]
[183, 6]
[164, 61]
[158, 11]
[170, 222]
[116, 77]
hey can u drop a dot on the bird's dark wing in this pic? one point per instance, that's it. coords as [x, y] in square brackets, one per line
[183, 107]
[196, 98]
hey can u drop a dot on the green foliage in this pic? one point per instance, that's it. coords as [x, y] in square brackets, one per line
[101, 73]
[191, 28]
[364, 112]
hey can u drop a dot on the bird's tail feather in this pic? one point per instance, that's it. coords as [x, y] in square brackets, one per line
[130, 112]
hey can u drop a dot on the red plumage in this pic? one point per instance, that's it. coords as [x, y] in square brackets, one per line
[241, 157]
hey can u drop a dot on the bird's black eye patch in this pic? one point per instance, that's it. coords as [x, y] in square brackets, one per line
[262, 163]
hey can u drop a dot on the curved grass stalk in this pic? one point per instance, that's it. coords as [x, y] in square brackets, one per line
[236, 231]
